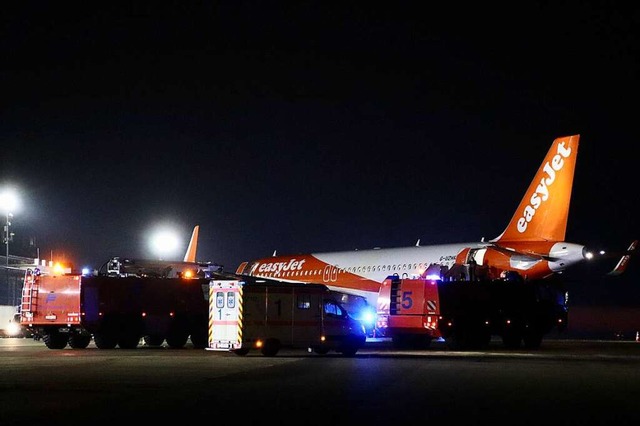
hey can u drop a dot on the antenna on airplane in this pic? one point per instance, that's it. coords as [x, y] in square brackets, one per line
[418, 243]
[274, 253]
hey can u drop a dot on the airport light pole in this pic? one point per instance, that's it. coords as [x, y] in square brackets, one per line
[8, 203]
[7, 235]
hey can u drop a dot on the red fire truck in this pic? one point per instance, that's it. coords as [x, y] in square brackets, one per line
[467, 314]
[118, 309]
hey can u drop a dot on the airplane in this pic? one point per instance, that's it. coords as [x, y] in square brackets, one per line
[532, 246]
[189, 267]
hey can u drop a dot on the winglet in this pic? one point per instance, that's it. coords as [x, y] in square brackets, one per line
[624, 260]
[190, 255]
[543, 212]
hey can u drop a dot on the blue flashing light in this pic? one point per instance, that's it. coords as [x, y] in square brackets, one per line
[366, 315]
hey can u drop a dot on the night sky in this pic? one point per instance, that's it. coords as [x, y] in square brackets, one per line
[313, 127]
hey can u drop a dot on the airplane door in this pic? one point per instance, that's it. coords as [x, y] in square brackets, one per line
[330, 274]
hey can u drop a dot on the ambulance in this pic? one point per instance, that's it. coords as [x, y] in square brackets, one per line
[269, 316]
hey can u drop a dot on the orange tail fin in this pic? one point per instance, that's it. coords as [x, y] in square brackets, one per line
[190, 255]
[543, 212]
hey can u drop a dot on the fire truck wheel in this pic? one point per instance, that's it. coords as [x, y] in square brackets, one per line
[199, 339]
[321, 350]
[129, 340]
[177, 340]
[270, 347]
[105, 340]
[512, 339]
[79, 341]
[241, 351]
[55, 340]
[153, 340]
[532, 339]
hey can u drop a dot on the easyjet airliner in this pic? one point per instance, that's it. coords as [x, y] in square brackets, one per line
[531, 246]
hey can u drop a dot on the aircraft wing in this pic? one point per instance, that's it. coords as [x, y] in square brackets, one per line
[511, 252]
[621, 266]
